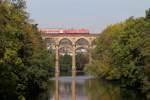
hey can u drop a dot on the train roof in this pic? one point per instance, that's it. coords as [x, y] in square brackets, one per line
[47, 30]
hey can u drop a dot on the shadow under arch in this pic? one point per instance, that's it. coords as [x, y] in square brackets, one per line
[65, 41]
[82, 41]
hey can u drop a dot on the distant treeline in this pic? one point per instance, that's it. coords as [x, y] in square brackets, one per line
[24, 61]
[122, 53]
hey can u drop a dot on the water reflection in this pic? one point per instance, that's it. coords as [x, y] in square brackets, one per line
[64, 89]
[86, 88]
[57, 96]
[99, 90]
[73, 87]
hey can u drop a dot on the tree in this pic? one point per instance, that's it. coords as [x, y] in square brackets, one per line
[148, 14]
[65, 62]
[81, 60]
[24, 61]
[123, 53]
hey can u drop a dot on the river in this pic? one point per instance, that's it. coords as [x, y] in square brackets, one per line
[85, 87]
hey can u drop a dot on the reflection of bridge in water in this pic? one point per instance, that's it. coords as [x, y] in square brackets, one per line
[68, 41]
[69, 88]
[88, 88]
[72, 92]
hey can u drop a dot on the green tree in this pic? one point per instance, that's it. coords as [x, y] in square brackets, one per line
[148, 14]
[81, 60]
[66, 62]
[123, 53]
[51, 58]
[24, 61]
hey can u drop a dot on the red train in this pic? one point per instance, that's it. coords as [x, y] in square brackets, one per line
[52, 31]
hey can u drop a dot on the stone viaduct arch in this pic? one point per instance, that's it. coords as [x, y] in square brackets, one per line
[71, 40]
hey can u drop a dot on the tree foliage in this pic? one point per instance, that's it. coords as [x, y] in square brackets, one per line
[123, 53]
[81, 60]
[24, 62]
[65, 62]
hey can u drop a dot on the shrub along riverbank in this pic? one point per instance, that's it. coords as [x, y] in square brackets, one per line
[24, 62]
[123, 53]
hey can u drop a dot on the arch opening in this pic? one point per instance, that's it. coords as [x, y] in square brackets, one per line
[82, 58]
[82, 41]
[65, 41]
[65, 59]
[50, 43]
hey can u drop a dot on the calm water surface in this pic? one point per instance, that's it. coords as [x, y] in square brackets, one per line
[86, 88]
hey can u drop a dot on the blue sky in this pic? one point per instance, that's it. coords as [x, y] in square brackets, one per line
[94, 15]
